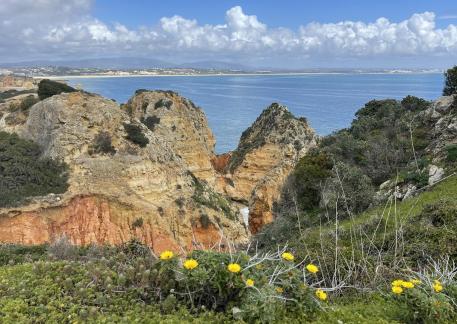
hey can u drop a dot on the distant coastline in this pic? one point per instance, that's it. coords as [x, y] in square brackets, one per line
[87, 76]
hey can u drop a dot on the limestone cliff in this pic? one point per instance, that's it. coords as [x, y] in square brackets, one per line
[266, 154]
[181, 124]
[146, 192]
[173, 192]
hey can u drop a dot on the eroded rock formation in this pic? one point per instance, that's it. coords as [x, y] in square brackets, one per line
[265, 156]
[173, 193]
[109, 192]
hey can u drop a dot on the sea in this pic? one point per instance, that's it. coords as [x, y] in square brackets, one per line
[233, 102]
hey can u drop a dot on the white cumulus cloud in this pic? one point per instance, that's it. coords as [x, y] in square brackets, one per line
[32, 29]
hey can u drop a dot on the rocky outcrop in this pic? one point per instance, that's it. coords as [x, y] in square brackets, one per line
[108, 193]
[266, 154]
[443, 117]
[181, 124]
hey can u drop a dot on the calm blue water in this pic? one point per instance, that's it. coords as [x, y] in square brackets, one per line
[232, 103]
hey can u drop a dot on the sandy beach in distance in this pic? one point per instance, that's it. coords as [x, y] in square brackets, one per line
[56, 77]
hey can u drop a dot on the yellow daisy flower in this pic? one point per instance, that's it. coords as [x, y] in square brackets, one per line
[397, 282]
[397, 290]
[312, 268]
[288, 256]
[190, 264]
[166, 255]
[437, 286]
[407, 284]
[322, 295]
[234, 267]
[250, 283]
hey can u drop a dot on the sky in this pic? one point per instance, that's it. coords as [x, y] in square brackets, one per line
[262, 33]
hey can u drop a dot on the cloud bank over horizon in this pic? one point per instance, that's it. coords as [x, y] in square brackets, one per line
[56, 29]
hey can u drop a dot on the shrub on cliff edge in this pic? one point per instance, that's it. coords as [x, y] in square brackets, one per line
[48, 88]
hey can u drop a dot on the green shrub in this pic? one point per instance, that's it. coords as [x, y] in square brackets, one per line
[347, 191]
[135, 135]
[451, 152]
[24, 174]
[16, 254]
[450, 77]
[309, 174]
[151, 122]
[413, 103]
[28, 102]
[163, 103]
[48, 88]
[424, 305]
[102, 144]
[13, 93]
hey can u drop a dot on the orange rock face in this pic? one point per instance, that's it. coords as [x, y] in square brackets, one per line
[220, 162]
[95, 220]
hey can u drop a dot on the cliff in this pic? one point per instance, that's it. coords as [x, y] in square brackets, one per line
[267, 153]
[163, 184]
[145, 192]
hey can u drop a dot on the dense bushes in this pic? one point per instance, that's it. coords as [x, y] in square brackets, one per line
[413, 103]
[347, 191]
[48, 88]
[24, 174]
[378, 145]
[98, 280]
[128, 284]
[309, 175]
[450, 86]
[135, 135]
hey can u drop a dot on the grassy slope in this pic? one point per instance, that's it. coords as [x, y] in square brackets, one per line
[391, 213]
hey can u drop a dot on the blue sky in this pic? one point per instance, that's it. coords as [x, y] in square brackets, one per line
[267, 33]
[276, 13]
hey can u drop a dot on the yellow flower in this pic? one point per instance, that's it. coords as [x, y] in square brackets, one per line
[234, 267]
[166, 255]
[437, 282]
[279, 290]
[397, 283]
[322, 295]
[397, 290]
[437, 286]
[288, 256]
[190, 264]
[250, 283]
[312, 268]
[416, 281]
[407, 284]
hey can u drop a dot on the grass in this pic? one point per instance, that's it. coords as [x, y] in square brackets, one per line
[367, 250]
